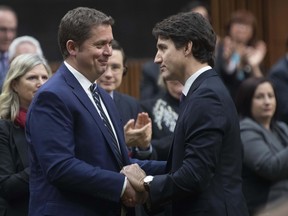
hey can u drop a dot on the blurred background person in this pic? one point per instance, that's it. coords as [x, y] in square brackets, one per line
[240, 54]
[279, 75]
[26, 75]
[8, 31]
[163, 111]
[24, 44]
[265, 145]
[137, 125]
[149, 87]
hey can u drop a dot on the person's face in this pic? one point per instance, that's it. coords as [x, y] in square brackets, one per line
[170, 59]
[28, 84]
[8, 27]
[263, 103]
[25, 47]
[174, 88]
[92, 56]
[241, 33]
[112, 77]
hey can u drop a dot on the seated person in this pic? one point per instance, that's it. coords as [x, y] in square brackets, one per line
[265, 146]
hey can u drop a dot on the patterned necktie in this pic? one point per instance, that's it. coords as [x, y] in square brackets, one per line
[96, 97]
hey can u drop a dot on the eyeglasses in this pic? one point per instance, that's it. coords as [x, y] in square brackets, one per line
[6, 30]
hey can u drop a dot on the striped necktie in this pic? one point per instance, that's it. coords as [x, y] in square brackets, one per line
[115, 146]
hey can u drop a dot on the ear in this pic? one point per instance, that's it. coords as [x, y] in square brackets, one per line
[14, 85]
[72, 47]
[188, 48]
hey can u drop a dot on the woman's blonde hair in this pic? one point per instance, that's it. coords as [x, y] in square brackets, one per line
[9, 100]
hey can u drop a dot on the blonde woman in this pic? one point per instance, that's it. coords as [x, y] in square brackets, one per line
[26, 75]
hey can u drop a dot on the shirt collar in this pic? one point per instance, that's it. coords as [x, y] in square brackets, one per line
[84, 82]
[192, 78]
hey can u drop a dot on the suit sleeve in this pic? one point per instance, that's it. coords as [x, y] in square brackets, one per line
[51, 131]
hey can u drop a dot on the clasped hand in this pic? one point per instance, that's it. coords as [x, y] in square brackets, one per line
[135, 192]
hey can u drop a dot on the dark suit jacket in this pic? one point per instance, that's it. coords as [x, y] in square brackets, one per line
[206, 158]
[14, 170]
[279, 75]
[128, 106]
[74, 170]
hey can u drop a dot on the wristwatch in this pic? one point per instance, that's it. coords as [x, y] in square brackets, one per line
[147, 181]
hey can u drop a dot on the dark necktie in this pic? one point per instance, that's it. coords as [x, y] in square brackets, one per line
[96, 97]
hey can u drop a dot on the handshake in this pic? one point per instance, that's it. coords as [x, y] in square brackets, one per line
[135, 192]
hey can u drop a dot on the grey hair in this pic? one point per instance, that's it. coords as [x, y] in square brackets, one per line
[23, 39]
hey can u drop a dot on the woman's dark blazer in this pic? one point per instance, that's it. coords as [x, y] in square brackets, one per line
[14, 170]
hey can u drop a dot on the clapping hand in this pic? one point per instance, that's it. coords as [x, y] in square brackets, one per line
[138, 134]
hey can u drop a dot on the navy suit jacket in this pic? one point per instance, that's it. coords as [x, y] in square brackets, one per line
[205, 162]
[279, 74]
[73, 168]
[127, 106]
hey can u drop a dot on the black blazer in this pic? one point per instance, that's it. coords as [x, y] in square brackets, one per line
[14, 170]
[205, 163]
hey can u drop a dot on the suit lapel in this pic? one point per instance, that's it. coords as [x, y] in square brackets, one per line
[20, 143]
[114, 116]
[199, 80]
[82, 96]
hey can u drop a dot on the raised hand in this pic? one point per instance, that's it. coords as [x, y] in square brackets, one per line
[138, 134]
[135, 176]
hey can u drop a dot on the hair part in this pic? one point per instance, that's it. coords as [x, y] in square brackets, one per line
[76, 25]
[183, 28]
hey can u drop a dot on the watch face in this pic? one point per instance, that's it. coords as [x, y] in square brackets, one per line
[148, 178]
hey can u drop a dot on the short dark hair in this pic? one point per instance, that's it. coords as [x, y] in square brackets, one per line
[246, 93]
[190, 26]
[116, 46]
[76, 25]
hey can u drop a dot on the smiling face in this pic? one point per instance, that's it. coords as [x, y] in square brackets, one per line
[91, 57]
[27, 85]
[112, 78]
[263, 103]
[170, 60]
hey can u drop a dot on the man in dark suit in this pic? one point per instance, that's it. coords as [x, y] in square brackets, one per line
[204, 166]
[137, 125]
[75, 136]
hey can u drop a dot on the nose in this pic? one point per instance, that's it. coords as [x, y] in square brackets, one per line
[108, 72]
[108, 50]
[157, 58]
[9, 33]
[40, 82]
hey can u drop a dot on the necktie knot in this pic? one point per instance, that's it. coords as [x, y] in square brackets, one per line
[93, 88]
